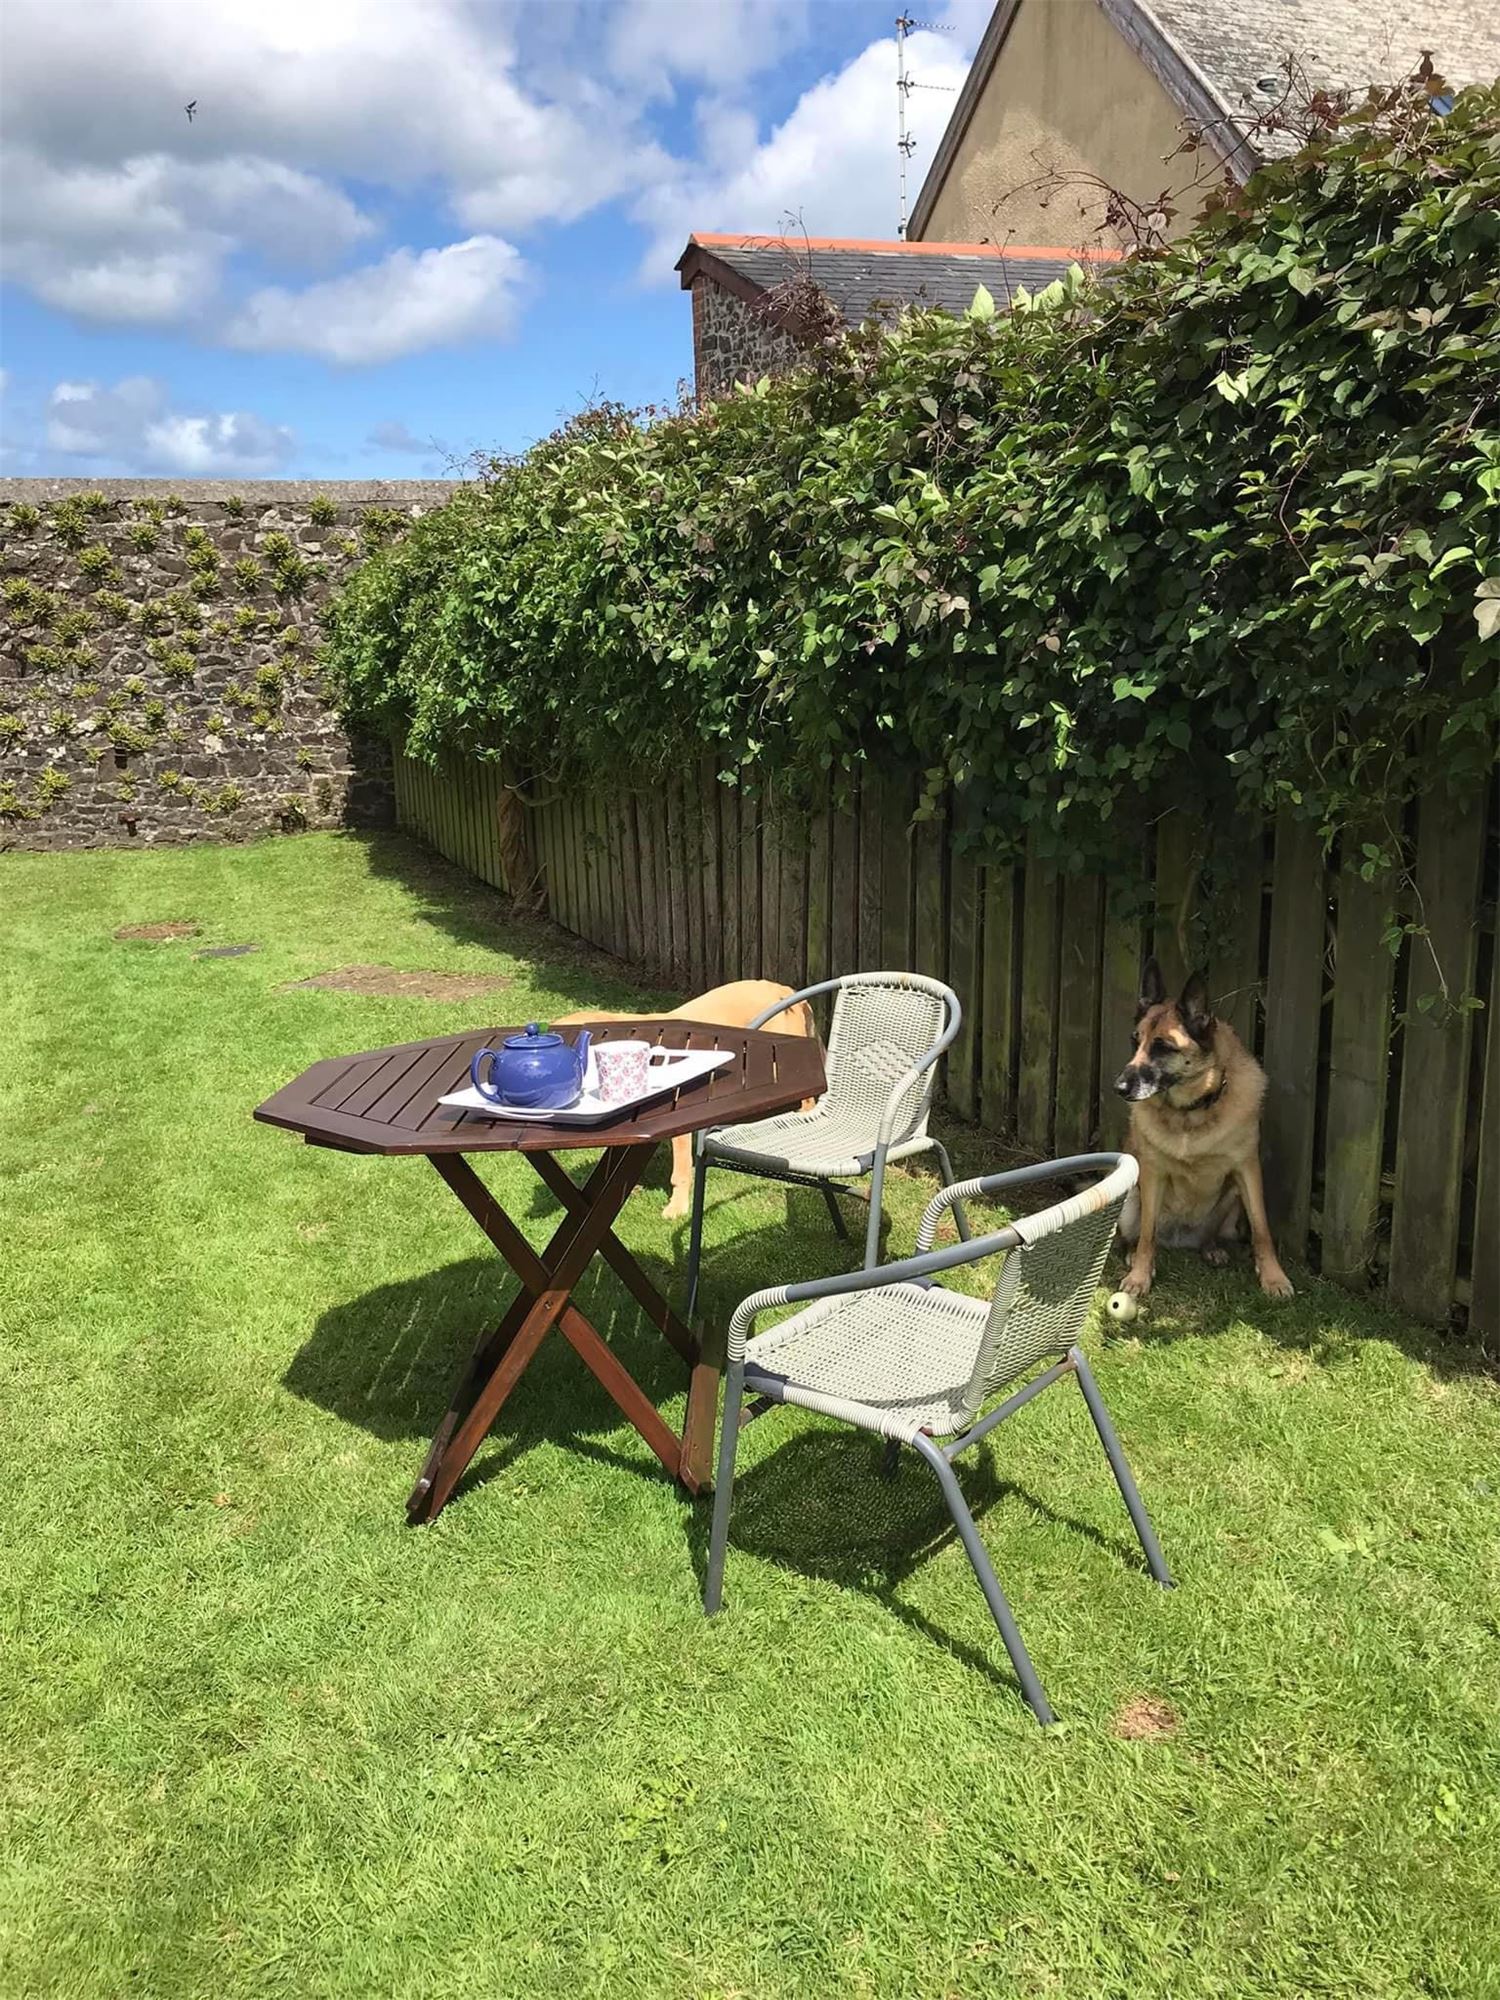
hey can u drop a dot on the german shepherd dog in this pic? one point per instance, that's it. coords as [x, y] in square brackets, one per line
[1195, 1094]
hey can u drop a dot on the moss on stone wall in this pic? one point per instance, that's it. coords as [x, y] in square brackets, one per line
[159, 661]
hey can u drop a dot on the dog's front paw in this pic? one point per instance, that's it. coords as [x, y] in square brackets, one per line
[677, 1207]
[1137, 1281]
[1275, 1283]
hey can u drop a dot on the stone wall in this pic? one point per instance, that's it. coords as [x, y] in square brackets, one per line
[734, 341]
[159, 648]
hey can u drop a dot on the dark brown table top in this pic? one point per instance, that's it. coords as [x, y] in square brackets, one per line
[386, 1100]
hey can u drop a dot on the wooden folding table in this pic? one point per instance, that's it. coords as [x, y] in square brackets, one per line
[386, 1101]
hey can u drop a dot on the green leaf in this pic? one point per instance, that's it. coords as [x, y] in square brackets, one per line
[983, 306]
[1487, 607]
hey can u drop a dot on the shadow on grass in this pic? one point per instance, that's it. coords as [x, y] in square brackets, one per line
[390, 1359]
[470, 912]
[1325, 1322]
[818, 1506]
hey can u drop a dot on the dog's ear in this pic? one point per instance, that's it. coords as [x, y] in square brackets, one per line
[1194, 1008]
[1153, 988]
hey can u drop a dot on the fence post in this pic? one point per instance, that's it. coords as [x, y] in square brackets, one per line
[1484, 1282]
[1078, 1012]
[1358, 1066]
[1040, 932]
[895, 874]
[1177, 868]
[1294, 992]
[1121, 959]
[964, 889]
[820, 888]
[1435, 1055]
[844, 890]
[997, 1104]
[868, 956]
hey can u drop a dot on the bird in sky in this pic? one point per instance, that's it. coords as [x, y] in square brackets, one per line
[190, 109]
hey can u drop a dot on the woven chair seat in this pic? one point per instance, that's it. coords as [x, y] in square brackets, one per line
[817, 1142]
[896, 1361]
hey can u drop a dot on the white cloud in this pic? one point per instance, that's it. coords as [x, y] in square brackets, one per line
[499, 114]
[721, 42]
[132, 428]
[407, 302]
[829, 168]
[157, 290]
[233, 441]
[393, 435]
[395, 92]
[145, 241]
[272, 207]
[120, 209]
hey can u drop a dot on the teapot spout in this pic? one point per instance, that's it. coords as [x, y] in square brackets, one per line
[581, 1046]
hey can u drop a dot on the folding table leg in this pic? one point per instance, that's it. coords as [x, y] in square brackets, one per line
[625, 1267]
[547, 1282]
[701, 1415]
[489, 1350]
[693, 1454]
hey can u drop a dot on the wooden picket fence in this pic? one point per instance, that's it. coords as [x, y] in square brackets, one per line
[1382, 1120]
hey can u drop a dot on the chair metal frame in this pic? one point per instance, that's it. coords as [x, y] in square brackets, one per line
[744, 1379]
[871, 1162]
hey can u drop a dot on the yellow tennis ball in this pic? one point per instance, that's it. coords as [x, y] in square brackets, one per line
[1123, 1307]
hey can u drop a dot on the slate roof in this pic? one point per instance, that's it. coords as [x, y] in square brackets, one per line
[1340, 44]
[1210, 56]
[1344, 44]
[863, 277]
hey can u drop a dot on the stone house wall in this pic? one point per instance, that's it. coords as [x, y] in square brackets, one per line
[734, 342]
[159, 676]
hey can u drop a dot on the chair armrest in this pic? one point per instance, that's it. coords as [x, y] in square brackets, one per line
[1120, 1175]
[905, 1271]
[792, 1000]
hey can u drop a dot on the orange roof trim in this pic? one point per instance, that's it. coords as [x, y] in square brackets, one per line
[709, 240]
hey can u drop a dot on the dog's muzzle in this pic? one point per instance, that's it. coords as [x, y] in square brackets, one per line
[1134, 1083]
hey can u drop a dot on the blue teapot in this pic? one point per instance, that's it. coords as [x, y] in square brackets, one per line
[533, 1071]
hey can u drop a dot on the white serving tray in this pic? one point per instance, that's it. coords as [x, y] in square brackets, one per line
[683, 1066]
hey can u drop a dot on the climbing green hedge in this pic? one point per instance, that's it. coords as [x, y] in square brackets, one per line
[1224, 530]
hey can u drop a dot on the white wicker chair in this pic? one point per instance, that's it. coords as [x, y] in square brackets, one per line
[887, 1032]
[891, 1353]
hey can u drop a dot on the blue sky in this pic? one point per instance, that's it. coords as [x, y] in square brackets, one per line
[398, 231]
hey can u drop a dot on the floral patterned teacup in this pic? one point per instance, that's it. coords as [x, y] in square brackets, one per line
[622, 1069]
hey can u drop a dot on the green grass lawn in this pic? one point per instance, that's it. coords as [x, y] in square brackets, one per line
[261, 1738]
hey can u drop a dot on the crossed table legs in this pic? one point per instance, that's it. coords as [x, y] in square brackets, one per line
[548, 1279]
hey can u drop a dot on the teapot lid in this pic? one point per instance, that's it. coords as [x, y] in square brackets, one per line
[533, 1038]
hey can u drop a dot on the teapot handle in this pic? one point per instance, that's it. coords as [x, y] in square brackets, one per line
[485, 1089]
[581, 1046]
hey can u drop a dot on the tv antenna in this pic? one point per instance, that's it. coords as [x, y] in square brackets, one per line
[906, 83]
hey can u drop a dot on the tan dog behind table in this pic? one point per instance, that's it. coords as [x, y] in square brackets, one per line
[733, 1006]
[1195, 1095]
